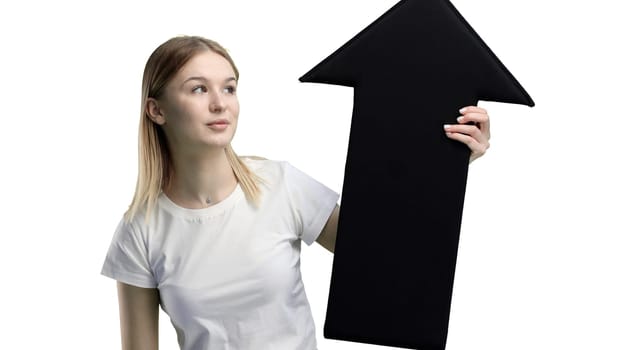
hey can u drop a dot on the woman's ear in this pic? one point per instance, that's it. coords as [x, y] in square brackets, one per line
[154, 111]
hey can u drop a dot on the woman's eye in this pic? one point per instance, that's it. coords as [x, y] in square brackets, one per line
[230, 89]
[200, 88]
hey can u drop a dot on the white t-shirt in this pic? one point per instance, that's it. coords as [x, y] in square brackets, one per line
[229, 274]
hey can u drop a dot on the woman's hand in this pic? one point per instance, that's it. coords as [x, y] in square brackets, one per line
[474, 136]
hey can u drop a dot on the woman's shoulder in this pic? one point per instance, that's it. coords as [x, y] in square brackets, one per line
[270, 170]
[265, 166]
[254, 157]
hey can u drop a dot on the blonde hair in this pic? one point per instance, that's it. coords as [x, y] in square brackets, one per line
[154, 156]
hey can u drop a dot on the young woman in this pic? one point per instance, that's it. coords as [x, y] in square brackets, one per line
[211, 237]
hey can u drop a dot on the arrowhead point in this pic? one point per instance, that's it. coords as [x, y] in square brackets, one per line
[415, 43]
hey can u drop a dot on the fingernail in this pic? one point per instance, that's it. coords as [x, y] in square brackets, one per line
[462, 109]
[446, 126]
[460, 119]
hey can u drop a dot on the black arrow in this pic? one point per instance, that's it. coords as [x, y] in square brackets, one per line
[404, 181]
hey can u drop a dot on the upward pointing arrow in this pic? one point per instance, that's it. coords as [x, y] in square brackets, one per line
[404, 181]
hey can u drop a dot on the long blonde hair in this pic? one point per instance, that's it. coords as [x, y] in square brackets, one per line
[154, 156]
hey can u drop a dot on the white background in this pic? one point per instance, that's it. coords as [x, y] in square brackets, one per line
[539, 264]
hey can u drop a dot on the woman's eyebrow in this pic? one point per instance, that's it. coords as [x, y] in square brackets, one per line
[207, 80]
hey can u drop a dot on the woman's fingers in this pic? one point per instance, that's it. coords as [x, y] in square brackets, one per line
[476, 136]
[477, 115]
[473, 109]
[471, 130]
[467, 140]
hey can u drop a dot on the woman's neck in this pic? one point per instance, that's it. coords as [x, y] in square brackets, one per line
[200, 181]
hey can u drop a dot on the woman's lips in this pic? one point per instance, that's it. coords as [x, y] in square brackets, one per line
[218, 126]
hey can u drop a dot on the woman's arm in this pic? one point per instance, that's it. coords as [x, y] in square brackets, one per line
[329, 233]
[138, 312]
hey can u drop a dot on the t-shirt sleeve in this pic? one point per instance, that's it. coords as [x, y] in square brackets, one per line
[126, 260]
[312, 202]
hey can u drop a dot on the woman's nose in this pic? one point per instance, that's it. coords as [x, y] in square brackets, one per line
[216, 103]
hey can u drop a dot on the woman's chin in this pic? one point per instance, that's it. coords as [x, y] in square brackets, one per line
[220, 143]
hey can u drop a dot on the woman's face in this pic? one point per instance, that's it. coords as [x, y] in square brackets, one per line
[201, 93]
